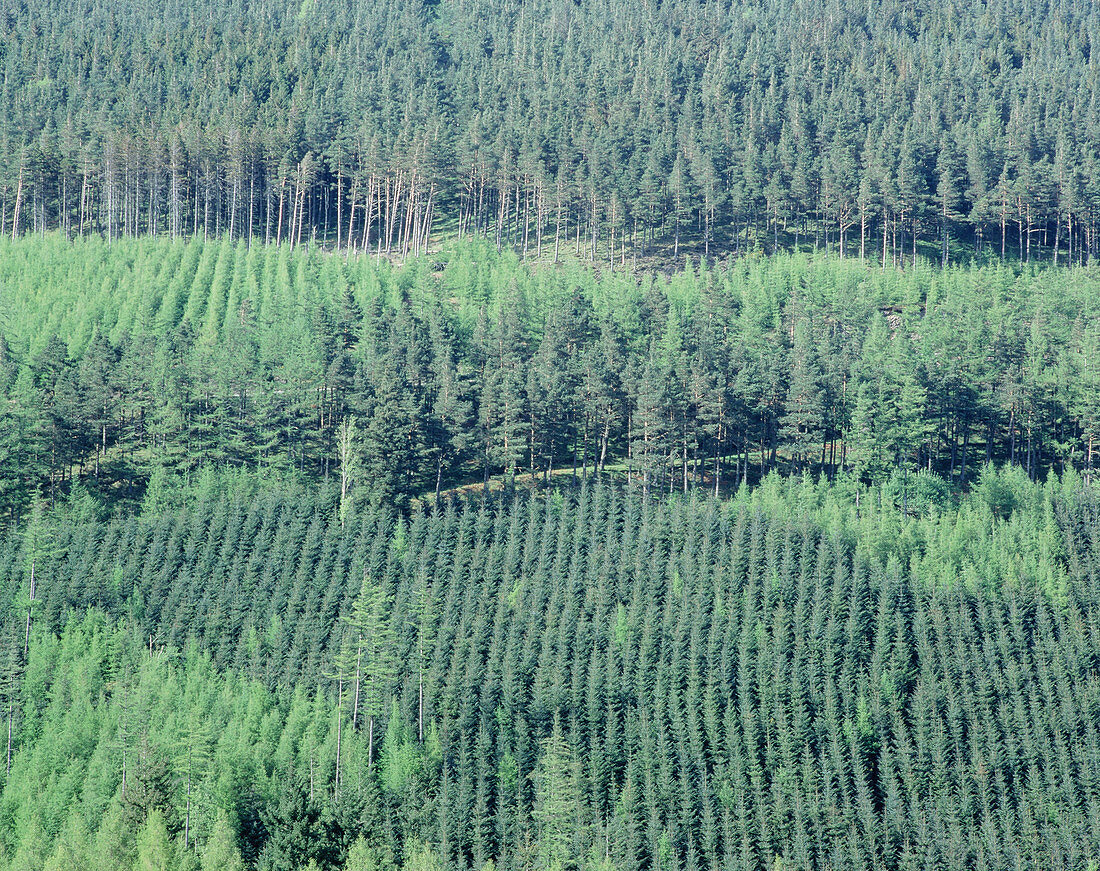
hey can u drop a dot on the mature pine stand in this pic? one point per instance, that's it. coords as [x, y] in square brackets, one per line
[615, 129]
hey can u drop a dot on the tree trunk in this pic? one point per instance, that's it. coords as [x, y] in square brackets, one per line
[339, 736]
[18, 197]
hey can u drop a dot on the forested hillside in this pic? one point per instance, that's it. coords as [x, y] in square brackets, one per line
[616, 129]
[153, 359]
[549, 435]
[800, 678]
[815, 586]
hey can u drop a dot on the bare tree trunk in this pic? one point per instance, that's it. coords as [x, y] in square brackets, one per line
[251, 195]
[282, 201]
[358, 680]
[30, 605]
[339, 736]
[885, 230]
[526, 219]
[557, 228]
[187, 813]
[84, 196]
[351, 215]
[11, 719]
[18, 196]
[429, 219]
[368, 213]
[370, 741]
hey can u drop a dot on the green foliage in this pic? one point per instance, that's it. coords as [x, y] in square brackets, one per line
[557, 803]
[71, 849]
[399, 756]
[154, 849]
[363, 857]
[1005, 490]
[396, 384]
[221, 852]
[422, 858]
[672, 682]
[918, 492]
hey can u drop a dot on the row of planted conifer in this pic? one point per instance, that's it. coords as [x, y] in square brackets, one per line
[799, 677]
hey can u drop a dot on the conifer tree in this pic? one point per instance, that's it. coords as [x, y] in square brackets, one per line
[221, 851]
[154, 849]
[371, 638]
[556, 808]
[802, 427]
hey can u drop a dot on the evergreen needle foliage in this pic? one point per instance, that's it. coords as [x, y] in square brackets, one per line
[129, 368]
[795, 677]
[614, 129]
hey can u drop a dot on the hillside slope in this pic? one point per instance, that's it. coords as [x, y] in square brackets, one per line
[589, 682]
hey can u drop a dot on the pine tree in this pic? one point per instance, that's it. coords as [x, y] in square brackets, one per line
[556, 803]
[364, 857]
[802, 427]
[72, 848]
[369, 658]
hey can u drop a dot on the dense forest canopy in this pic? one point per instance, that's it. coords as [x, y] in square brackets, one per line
[150, 359]
[563, 435]
[620, 128]
[798, 678]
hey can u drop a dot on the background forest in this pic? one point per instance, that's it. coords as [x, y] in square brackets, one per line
[619, 129]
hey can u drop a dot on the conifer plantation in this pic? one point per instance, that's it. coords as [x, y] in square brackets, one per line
[314, 561]
[613, 128]
[596, 680]
[558, 435]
